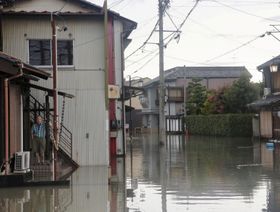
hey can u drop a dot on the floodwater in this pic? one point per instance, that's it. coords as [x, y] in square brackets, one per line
[203, 174]
[196, 174]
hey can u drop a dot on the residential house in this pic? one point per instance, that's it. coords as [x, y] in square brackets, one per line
[133, 105]
[18, 111]
[85, 66]
[15, 82]
[176, 82]
[268, 106]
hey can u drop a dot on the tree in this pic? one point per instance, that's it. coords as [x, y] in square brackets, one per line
[214, 103]
[196, 96]
[239, 95]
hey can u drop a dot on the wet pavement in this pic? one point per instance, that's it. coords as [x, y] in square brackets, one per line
[198, 174]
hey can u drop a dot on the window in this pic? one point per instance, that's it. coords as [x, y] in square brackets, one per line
[65, 52]
[40, 52]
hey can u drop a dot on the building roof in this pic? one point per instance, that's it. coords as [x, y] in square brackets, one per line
[266, 102]
[190, 72]
[129, 25]
[275, 60]
[10, 65]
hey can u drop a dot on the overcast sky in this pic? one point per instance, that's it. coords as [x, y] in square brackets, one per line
[214, 28]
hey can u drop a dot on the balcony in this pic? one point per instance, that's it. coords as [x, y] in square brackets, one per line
[150, 111]
[175, 99]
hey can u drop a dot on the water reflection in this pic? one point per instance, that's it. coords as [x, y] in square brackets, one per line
[89, 192]
[198, 174]
[205, 174]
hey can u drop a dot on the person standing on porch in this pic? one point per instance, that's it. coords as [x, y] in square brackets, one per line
[38, 135]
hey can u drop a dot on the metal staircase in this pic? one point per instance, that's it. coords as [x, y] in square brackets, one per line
[66, 163]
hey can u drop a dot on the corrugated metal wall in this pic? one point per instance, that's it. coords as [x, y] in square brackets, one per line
[85, 114]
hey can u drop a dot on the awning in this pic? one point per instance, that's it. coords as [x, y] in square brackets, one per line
[265, 103]
[50, 91]
[10, 66]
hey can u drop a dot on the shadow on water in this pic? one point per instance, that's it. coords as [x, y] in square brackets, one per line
[196, 174]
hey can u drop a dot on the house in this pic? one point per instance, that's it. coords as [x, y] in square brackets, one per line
[133, 104]
[86, 61]
[268, 106]
[176, 81]
[15, 77]
[18, 111]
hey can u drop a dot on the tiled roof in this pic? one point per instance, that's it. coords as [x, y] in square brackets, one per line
[266, 102]
[203, 72]
[275, 60]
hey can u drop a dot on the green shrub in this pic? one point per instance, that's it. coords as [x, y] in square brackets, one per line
[220, 124]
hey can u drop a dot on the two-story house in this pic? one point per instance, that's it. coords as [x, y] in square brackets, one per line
[268, 106]
[83, 53]
[176, 82]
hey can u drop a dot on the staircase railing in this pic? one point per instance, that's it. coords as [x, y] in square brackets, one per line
[66, 137]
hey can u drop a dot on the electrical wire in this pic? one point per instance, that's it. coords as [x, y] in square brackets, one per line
[138, 61]
[145, 42]
[235, 49]
[146, 63]
[243, 11]
[114, 4]
[177, 34]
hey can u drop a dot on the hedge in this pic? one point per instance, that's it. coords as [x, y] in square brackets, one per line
[220, 125]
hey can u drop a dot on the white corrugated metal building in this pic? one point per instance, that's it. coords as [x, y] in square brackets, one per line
[26, 34]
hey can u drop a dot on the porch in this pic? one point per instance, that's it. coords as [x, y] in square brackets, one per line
[18, 110]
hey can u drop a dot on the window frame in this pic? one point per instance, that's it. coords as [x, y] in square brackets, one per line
[49, 66]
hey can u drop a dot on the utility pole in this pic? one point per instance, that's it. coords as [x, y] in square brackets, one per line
[55, 99]
[162, 129]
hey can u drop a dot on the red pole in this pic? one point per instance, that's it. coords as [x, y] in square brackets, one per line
[55, 105]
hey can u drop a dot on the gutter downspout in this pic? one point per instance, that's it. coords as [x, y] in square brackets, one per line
[123, 96]
[7, 137]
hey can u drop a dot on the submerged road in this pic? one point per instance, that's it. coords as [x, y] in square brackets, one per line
[199, 174]
[203, 174]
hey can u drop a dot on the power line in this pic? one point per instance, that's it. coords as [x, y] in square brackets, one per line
[145, 42]
[235, 49]
[243, 11]
[177, 35]
[146, 63]
[149, 53]
[114, 4]
[166, 5]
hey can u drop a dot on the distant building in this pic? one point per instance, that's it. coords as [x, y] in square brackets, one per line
[269, 106]
[176, 81]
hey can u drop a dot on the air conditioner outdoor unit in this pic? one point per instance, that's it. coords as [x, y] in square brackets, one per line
[22, 162]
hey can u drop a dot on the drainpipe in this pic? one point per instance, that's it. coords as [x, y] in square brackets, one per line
[123, 95]
[55, 102]
[7, 137]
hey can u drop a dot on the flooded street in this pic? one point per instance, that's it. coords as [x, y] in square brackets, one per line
[204, 174]
[198, 174]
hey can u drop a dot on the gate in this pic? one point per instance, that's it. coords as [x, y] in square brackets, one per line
[175, 125]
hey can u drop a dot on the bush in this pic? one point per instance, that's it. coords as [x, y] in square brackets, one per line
[236, 125]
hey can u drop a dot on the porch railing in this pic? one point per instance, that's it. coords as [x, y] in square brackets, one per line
[66, 137]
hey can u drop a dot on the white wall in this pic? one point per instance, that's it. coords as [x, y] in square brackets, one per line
[86, 112]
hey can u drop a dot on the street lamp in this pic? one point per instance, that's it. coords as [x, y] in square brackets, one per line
[274, 67]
